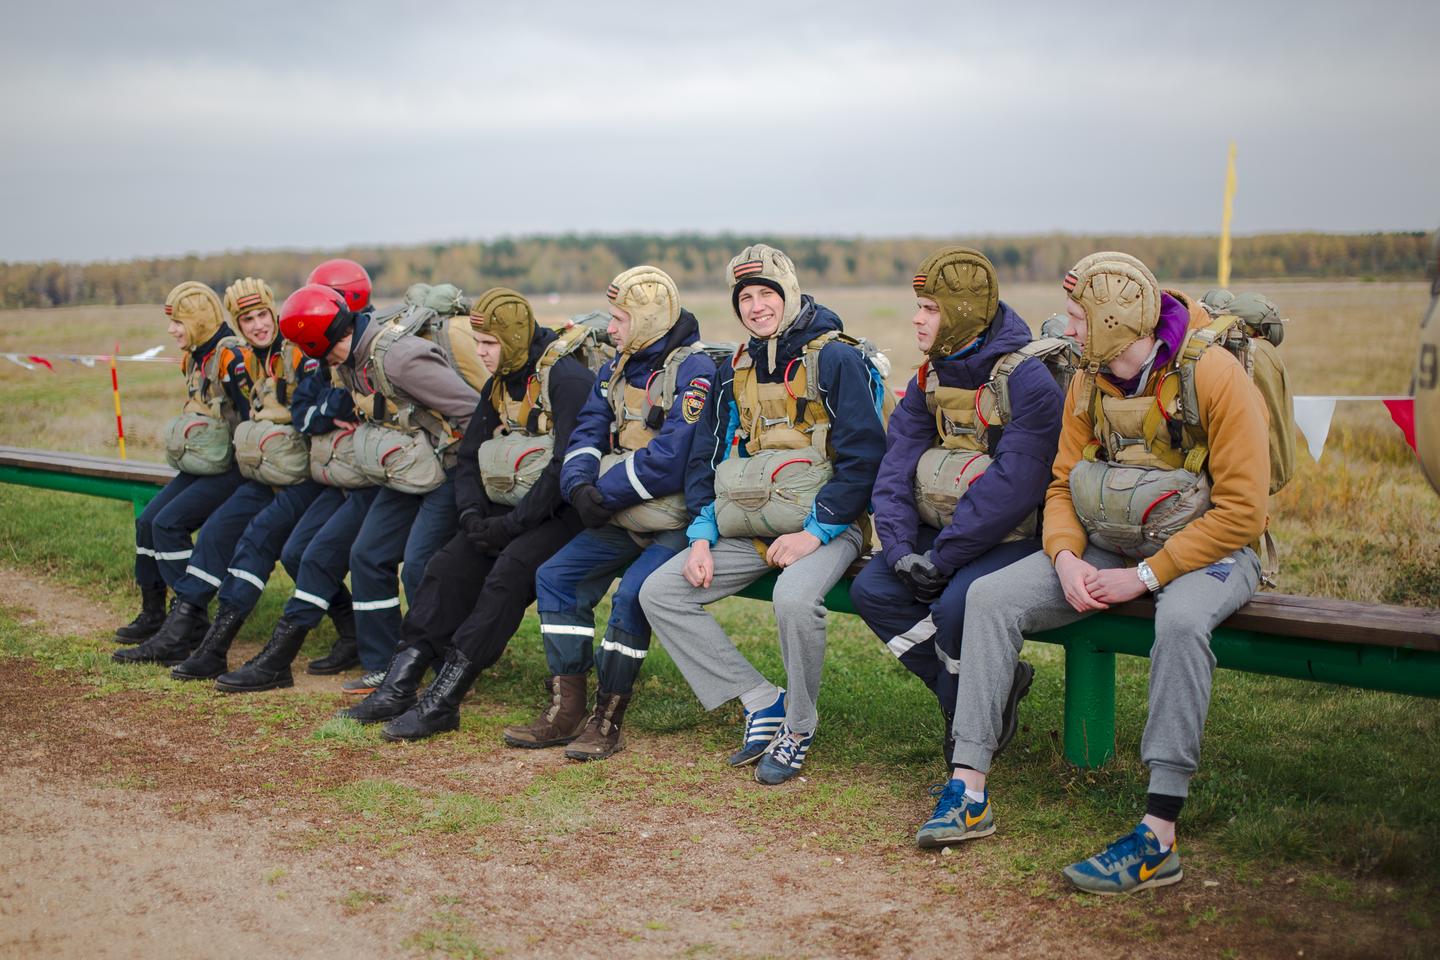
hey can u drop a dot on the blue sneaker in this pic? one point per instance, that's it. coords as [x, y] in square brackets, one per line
[761, 727]
[956, 818]
[1133, 862]
[784, 758]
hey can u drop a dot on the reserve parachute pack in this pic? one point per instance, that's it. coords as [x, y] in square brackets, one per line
[1144, 476]
[404, 445]
[268, 449]
[332, 455]
[512, 461]
[785, 429]
[198, 441]
[970, 423]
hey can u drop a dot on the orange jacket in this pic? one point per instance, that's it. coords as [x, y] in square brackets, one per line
[1237, 428]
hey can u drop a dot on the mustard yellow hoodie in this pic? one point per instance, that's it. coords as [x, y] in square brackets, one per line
[1237, 427]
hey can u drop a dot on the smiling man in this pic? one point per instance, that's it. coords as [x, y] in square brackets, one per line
[803, 403]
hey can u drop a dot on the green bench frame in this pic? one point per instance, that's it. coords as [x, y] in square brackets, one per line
[1371, 646]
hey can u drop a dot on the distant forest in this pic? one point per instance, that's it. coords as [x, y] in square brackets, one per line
[580, 263]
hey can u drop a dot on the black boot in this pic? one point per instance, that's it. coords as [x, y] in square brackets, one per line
[208, 660]
[344, 654]
[270, 668]
[147, 621]
[1010, 715]
[439, 707]
[182, 630]
[397, 693]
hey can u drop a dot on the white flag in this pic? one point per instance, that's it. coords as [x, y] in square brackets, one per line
[1312, 416]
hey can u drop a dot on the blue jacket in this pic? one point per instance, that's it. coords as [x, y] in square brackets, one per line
[234, 379]
[857, 434]
[659, 467]
[1013, 486]
[316, 405]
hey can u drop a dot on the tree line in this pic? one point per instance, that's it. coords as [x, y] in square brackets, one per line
[577, 263]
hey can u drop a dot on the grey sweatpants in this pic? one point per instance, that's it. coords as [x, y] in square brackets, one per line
[712, 665]
[1025, 597]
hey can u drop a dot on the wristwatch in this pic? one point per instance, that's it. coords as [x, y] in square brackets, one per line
[1147, 577]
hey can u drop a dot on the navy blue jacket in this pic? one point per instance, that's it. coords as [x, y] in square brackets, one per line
[1011, 487]
[316, 404]
[234, 379]
[857, 434]
[659, 467]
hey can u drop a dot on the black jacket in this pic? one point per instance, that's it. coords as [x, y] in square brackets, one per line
[570, 383]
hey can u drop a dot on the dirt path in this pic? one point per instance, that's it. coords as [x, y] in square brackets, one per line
[136, 824]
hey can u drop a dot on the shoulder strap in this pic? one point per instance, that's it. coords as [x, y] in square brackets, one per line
[1197, 341]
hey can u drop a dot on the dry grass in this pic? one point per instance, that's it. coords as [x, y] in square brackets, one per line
[1360, 524]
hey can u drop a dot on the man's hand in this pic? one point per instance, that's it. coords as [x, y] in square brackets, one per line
[1115, 586]
[699, 567]
[1073, 573]
[590, 504]
[917, 571]
[791, 547]
[486, 534]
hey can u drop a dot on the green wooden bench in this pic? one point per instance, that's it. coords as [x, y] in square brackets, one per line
[1367, 645]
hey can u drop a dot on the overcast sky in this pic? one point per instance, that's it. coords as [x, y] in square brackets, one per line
[149, 128]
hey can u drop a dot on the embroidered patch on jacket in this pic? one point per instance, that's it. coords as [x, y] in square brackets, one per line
[692, 403]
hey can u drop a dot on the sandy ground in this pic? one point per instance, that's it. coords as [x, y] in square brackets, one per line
[131, 828]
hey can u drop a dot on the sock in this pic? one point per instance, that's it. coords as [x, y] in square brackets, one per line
[759, 697]
[1164, 806]
[974, 797]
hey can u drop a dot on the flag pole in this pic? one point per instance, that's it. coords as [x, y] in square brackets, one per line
[115, 389]
[1225, 217]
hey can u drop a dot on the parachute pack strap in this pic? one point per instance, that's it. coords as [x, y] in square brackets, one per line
[1091, 451]
[669, 379]
[747, 390]
[376, 364]
[1097, 417]
[1269, 560]
[1196, 343]
[1000, 381]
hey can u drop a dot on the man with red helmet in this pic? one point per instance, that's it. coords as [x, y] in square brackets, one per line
[398, 525]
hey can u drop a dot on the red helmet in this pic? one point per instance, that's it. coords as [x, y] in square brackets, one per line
[314, 318]
[348, 277]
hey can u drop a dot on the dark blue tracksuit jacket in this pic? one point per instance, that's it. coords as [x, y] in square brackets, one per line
[857, 434]
[659, 467]
[1013, 486]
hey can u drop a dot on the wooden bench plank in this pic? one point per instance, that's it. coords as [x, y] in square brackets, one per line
[109, 468]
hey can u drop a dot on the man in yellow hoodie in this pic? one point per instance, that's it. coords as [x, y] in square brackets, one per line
[1160, 461]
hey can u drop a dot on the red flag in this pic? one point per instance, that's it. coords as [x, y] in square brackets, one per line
[43, 362]
[1403, 413]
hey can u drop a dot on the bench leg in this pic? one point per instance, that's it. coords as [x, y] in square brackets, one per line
[141, 502]
[1089, 704]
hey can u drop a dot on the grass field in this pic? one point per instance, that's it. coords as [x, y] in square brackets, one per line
[1312, 826]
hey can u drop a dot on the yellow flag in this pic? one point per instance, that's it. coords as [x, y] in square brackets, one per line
[1225, 219]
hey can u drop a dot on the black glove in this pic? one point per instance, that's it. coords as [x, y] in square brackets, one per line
[489, 535]
[918, 573]
[588, 502]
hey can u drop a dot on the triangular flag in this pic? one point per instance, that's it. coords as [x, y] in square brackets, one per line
[43, 362]
[1403, 413]
[13, 358]
[1312, 417]
[153, 351]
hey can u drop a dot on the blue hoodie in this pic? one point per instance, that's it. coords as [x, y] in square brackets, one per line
[1009, 489]
[857, 434]
[316, 404]
[659, 466]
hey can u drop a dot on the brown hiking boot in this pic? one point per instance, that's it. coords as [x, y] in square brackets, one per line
[602, 735]
[561, 721]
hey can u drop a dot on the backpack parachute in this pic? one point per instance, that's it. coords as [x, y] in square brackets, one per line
[1250, 327]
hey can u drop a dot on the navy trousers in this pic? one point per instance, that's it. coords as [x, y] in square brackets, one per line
[162, 531]
[324, 553]
[926, 638]
[215, 544]
[262, 542]
[399, 528]
[571, 583]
